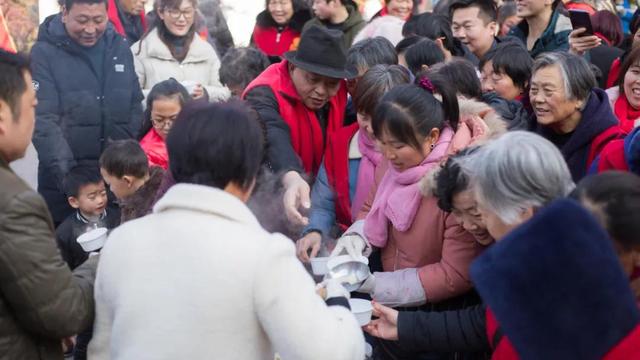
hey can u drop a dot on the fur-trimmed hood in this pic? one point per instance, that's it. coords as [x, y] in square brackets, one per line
[478, 123]
[139, 204]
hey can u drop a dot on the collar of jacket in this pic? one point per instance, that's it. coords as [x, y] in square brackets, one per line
[296, 23]
[206, 199]
[557, 23]
[199, 50]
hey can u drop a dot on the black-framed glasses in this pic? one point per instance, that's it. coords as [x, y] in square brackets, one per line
[176, 13]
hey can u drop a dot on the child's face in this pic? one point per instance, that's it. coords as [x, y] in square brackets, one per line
[91, 199]
[120, 187]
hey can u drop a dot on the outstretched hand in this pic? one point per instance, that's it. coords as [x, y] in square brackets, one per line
[386, 326]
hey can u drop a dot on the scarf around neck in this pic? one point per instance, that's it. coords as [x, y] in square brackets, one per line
[370, 160]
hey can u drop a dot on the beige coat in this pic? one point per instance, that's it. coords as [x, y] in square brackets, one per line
[154, 63]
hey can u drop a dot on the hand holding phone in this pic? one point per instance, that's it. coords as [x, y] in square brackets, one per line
[581, 19]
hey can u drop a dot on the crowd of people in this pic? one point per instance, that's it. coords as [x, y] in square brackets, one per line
[483, 157]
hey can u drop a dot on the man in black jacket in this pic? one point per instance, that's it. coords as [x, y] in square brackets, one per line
[88, 94]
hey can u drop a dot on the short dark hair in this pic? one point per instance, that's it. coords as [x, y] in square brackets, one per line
[450, 180]
[406, 43]
[369, 52]
[513, 60]
[434, 27]
[375, 83]
[78, 177]
[507, 10]
[460, 74]
[69, 3]
[167, 89]
[216, 144]
[487, 9]
[424, 52]
[608, 25]
[407, 112]
[12, 81]
[125, 158]
[614, 197]
[239, 66]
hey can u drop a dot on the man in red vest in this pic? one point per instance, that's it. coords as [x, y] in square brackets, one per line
[301, 100]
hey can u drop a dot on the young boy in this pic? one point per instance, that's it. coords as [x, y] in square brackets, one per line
[86, 193]
[125, 168]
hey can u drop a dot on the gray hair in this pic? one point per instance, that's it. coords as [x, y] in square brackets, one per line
[517, 171]
[577, 77]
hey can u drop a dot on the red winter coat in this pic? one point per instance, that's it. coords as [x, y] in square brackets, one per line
[306, 135]
[112, 12]
[275, 40]
[156, 149]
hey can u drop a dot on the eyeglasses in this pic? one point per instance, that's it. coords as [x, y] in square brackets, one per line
[162, 122]
[175, 13]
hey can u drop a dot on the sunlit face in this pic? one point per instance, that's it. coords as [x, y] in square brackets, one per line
[509, 23]
[486, 77]
[281, 11]
[324, 9]
[471, 30]
[400, 8]
[164, 112]
[632, 85]
[314, 90]
[549, 99]
[133, 7]
[364, 122]
[85, 23]
[16, 133]
[505, 88]
[91, 199]
[403, 156]
[465, 209]
[120, 187]
[178, 21]
[531, 8]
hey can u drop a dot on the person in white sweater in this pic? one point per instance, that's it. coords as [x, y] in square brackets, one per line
[199, 278]
[173, 48]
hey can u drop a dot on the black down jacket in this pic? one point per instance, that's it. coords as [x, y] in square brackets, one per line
[79, 110]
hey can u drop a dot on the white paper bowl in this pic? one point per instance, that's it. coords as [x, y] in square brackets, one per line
[93, 240]
[319, 265]
[362, 310]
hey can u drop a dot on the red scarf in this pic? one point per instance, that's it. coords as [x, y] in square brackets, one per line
[625, 113]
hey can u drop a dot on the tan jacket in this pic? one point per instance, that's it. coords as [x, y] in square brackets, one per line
[41, 301]
[154, 63]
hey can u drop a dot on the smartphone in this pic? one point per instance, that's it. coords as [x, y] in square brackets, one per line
[581, 19]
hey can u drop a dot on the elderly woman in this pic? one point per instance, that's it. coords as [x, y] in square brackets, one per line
[233, 289]
[570, 111]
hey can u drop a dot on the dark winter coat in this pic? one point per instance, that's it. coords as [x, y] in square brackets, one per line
[141, 202]
[555, 36]
[350, 27]
[41, 301]
[217, 26]
[597, 127]
[78, 110]
[511, 111]
[75, 225]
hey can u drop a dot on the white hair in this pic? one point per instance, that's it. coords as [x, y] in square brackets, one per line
[515, 172]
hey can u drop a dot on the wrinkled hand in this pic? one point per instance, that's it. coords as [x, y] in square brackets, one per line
[331, 288]
[352, 244]
[198, 91]
[386, 326]
[296, 195]
[311, 241]
[578, 44]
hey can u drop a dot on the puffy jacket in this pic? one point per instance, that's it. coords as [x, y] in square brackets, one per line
[78, 111]
[555, 36]
[154, 63]
[275, 40]
[41, 301]
[350, 27]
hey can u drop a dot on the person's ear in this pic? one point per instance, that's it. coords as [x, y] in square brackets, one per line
[494, 28]
[129, 180]
[424, 67]
[430, 141]
[6, 116]
[527, 214]
[160, 14]
[73, 202]
[447, 53]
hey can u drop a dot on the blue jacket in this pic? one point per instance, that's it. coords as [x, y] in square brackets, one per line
[555, 37]
[79, 109]
[323, 211]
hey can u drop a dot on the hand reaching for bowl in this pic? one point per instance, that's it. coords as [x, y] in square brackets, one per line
[296, 195]
[386, 326]
[579, 44]
[331, 288]
[311, 241]
[352, 244]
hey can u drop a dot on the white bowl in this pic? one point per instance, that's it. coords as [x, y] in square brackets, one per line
[93, 240]
[351, 271]
[362, 310]
[319, 265]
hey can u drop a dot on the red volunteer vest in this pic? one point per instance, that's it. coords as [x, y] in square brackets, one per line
[306, 134]
[273, 43]
[336, 162]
